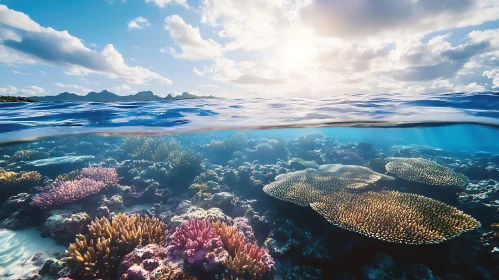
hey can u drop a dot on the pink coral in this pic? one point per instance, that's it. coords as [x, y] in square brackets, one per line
[197, 242]
[108, 176]
[61, 192]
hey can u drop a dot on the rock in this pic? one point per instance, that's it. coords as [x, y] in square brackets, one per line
[304, 272]
[54, 166]
[103, 211]
[63, 225]
[382, 267]
[115, 203]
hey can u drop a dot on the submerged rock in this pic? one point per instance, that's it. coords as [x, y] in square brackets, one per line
[63, 225]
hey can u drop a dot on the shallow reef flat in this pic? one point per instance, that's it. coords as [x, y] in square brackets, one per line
[305, 204]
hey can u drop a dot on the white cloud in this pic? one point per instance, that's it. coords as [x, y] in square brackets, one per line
[223, 69]
[209, 86]
[78, 88]
[394, 18]
[250, 24]
[19, 73]
[163, 3]
[123, 89]
[197, 72]
[138, 23]
[46, 45]
[8, 90]
[494, 75]
[29, 90]
[193, 46]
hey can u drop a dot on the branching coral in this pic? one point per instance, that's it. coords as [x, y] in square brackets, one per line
[197, 242]
[245, 259]
[424, 171]
[164, 150]
[12, 183]
[88, 181]
[491, 239]
[19, 180]
[304, 187]
[70, 176]
[156, 148]
[99, 253]
[61, 192]
[108, 176]
[185, 165]
[395, 217]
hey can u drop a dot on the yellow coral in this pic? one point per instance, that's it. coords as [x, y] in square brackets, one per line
[394, 216]
[71, 176]
[99, 252]
[19, 180]
[424, 171]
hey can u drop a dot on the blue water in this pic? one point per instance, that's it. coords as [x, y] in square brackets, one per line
[233, 148]
[44, 119]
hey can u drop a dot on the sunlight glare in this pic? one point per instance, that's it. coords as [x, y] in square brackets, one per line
[297, 53]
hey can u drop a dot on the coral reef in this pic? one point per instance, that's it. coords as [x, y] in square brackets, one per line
[27, 155]
[63, 225]
[108, 176]
[424, 171]
[99, 253]
[395, 217]
[12, 183]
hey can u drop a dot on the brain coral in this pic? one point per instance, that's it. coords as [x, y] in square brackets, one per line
[424, 171]
[310, 185]
[394, 216]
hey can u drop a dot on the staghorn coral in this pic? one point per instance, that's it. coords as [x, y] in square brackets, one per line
[394, 217]
[99, 253]
[132, 144]
[61, 192]
[245, 259]
[108, 176]
[27, 155]
[197, 243]
[185, 166]
[310, 185]
[424, 171]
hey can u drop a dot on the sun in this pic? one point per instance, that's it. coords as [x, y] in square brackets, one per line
[297, 53]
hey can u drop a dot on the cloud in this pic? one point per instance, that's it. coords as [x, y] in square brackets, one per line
[250, 24]
[29, 90]
[123, 89]
[138, 23]
[253, 79]
[46, 45]
[74, 87]
[19, 73]
[208, 86]
[193, 46]
[197, 72]
[394, 18]
[163, 3]
[494, 75]
[223, 69]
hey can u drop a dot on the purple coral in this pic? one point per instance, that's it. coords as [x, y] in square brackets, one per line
[197, 242]
[143, 262]
[108, 176]
[61, 192]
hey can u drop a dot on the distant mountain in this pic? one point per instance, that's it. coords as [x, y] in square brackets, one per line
[106, 96]
[4, 98]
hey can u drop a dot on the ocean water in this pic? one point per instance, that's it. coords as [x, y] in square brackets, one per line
[357, 187]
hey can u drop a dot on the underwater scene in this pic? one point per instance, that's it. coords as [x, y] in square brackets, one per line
[356, 202]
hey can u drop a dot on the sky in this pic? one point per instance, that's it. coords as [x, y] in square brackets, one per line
[249, 48]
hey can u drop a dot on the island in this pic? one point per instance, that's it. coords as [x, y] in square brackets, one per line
[104, 96]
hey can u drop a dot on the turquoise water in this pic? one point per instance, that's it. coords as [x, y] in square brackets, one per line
[372, 189]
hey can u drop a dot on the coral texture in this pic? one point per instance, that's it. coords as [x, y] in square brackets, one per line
[108, 176]
[99, 253]
[19, 180]
[61, 192]
[304, 187]
[197, 242]
[424, 171]
[395, 217]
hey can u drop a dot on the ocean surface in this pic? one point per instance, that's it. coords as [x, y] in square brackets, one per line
[347, 187]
